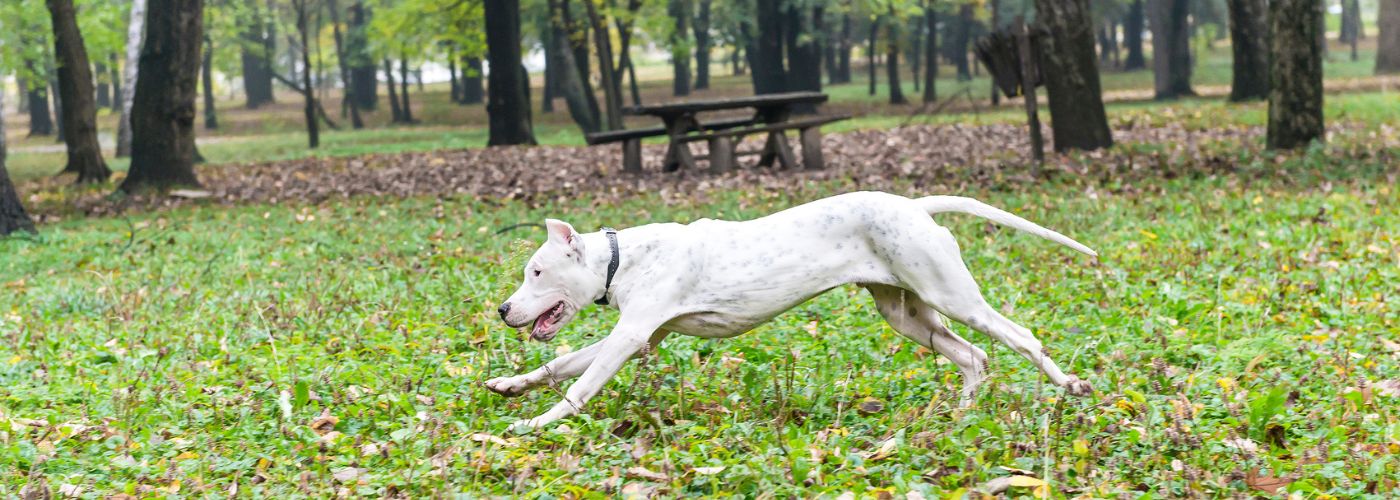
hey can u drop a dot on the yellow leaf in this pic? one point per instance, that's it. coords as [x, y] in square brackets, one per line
[1149, 234]
[1026, 481]
[189, 455]
[1081, 447]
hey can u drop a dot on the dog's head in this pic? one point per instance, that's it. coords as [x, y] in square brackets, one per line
[557, 284]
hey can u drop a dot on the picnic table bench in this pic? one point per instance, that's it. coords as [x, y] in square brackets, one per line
[772, 115]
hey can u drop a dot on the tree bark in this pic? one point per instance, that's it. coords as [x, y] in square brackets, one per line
[403, 90]
[211, 117]
[1071, 76]
[680, 47]
[702, 46]
[1249, 39]
[624, 60]
[931, 54]
[308, 94]
[962, 34]
[1132, 37]
[612, 86]
[162, 114]
[870, 53]
[767, 70]
[843, 51]
[115, 75]
[13, 218]
[1295, 96]
[79, 113]
[1171, 48]
[348, 97]
[40, 121]
[804, 52]
[104, 88]
[551, 77]
[134, 40]
[892, 60]
[395, 113]
[256, 57]
[1388, 42]
[364, 77]
[472, 93]
[570, 84]
[508, 104]
[57, 104]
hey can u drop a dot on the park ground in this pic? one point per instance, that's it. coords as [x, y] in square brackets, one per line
[322, 325]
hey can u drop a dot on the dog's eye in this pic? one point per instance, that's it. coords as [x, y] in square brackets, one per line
[537, 272]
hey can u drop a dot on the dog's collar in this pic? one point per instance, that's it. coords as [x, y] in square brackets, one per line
[612, 265]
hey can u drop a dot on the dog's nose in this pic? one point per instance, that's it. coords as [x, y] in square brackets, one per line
[504, 310]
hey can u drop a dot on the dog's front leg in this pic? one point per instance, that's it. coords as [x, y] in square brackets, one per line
[559, 369]
[626, 340]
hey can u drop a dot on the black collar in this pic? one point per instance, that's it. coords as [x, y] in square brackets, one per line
[612, 265]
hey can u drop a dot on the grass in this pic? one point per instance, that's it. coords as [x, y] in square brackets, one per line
[1237, 332]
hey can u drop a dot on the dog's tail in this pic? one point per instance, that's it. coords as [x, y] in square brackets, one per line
[961, 204]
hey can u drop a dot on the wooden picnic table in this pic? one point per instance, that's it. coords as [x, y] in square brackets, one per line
[681, 124]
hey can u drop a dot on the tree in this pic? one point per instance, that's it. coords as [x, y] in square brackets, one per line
[702, 46]
[892, 59]
[1132, 37]
[162, 114]
[364, 80]
[395, 112]
[257, 48]
[680, 47]
[931, 53]
[1171, 48]
[472, 92]
[608, 74]
[1295, 95]
[134, 40]
[768, 73]
[346, 81]
[206, 77]
[508, 105]
[313, 129]
[802, 44]
[12, 215]
[79, 112]
[1071, 76]
[1249, 38]
[406, 108]
[570, 83]
[40, 121]
[961, 35]
[1388, 43]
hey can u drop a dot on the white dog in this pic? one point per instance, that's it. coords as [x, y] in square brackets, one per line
[718, 279]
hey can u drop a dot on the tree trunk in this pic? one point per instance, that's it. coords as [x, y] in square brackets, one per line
[211, 117]
[57, 104]
[23, 105]
[931, 54]
[403, 90]
[313, 126]
[1388, 42]
[348, 98]
[804, 52]
[1249, 38]
[624, 61]
[115, 76]
[833, 75]
[134, 40]
[1171, 48]
[892, 60]
[162, 115]
[256, 55]
[104, 88]
[962, 34]
[612, 85]
[1295, 96]
[79, 114]
[766, 67]
[916, 48]
[395, 113]
[551, 77]
[570, 84]
[12, 215]
[1071, 77]
[508, 104]
[364, 77]
[870, 51]
[1350, 18]
[472, 93]
[843, 52]
[453, 83]
[40, 121]
[702, 46]
[1132, 37]
[680, 47]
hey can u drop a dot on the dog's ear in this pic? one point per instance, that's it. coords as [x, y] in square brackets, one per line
[562, 233]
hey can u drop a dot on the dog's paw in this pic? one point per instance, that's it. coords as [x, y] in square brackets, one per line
[1079, 387]
[507, 386]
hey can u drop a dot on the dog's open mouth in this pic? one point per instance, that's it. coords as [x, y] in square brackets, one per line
[546, 325]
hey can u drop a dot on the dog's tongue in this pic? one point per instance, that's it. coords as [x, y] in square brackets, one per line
[541, 324]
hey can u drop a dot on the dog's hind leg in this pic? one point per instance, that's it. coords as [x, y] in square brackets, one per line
[947, 285]
[913, 319]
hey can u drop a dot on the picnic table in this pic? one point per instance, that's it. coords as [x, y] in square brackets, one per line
[773, 114]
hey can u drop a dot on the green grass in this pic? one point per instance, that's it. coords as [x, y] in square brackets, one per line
[180, 353]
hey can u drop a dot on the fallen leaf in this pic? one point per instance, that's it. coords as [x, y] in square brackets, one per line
[709, 471]
[325, 423]
[640, 472]
[482, 437]
[870, 406]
